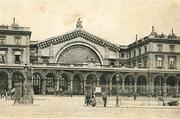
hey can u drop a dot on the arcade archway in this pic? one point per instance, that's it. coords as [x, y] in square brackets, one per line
[158, 85]
[78, 84]
[64, 83]
[37, 83]
[141, 85]
[171, 85]
[116, 85]
[17, 77]
[104, 83]
[50, 83]
[91, 82]
[3, 80]
[129, 84]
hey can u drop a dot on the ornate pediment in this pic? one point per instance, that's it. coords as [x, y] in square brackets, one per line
[78, 33]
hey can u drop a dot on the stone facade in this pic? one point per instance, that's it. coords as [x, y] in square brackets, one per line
[77, 62]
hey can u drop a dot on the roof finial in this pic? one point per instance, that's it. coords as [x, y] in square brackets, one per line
[14, 21]
[172, 32]
[79, 23]
[136, 37]
[152, 28]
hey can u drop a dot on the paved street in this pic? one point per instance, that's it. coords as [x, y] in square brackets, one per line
[51, 107]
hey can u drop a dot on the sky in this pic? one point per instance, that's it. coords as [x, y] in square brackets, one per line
[117, 21]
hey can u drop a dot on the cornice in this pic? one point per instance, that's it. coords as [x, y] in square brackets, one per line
[13, 32]
[75, 34]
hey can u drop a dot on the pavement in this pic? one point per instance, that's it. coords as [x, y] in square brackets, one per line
[51, 107]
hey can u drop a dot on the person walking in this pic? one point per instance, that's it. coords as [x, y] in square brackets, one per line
[87, 99]
[135, 96]
[104, 97]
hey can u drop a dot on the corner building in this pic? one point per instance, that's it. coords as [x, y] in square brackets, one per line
[78, 61]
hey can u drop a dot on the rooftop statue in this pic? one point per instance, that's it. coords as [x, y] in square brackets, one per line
[79, 23]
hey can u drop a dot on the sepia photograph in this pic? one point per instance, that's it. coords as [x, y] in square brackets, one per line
[89, 59]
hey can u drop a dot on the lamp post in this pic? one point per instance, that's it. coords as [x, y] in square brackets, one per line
[27, 97]
[117, 98]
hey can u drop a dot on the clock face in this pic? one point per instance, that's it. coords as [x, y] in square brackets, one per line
[78, 54]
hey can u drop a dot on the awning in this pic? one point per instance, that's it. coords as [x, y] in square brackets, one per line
[2, 52]
[17, 53]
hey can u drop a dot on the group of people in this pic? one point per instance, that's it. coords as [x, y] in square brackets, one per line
[7, 94]
[91, 100]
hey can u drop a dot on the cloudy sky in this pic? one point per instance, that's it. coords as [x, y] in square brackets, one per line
[117, 21]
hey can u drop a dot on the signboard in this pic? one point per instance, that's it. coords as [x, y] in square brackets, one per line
[98, 89]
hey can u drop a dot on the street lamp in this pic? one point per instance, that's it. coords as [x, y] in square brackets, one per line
[27, 97]
[117, 99]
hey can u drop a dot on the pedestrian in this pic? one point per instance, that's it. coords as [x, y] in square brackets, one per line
[104, 97]
[135, 96]
[87, 99]
[93, 100]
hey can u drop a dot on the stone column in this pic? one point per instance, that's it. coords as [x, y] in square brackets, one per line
[84, 86]
[177, 87]
[10, 82]
[98, 82]
[110, 86]
[135, 85]
[164, 88]
[57, 85]
[123, 84]
[71, 86]
[44, 87]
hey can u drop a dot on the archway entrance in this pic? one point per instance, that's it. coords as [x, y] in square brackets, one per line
[50, 83]
[37, 83]
[141, 85]
[129, 84]
[171, 85]
[78, 84]
[64, 83]
[104, 82]
[158, 85]
[17, 77]
[91, 83]
[3, 80]
[116, 84]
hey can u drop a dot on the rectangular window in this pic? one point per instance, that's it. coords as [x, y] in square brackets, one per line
[159, 47]
[139, 51]
[171, 62]
[17, 39]
[129, 55]
[17, 59]
[171, 48]
[122, 55]
[2, 40]
[139, 63]
[159, 62]
[145, 49]
[134, 53]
